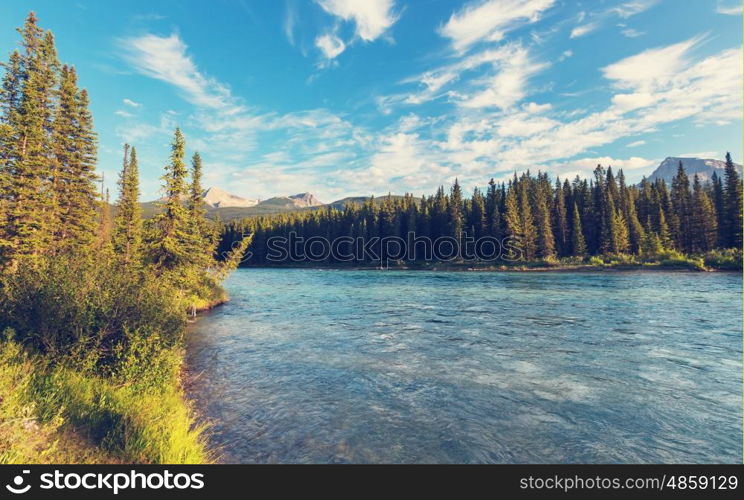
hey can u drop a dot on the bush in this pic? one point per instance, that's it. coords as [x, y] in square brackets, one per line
[728, 259]
[75, 307]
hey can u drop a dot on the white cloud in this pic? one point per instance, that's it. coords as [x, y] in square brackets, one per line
[585, 29]
[729, 8]
[630, 9]
[635, 144]
[372, 17]
[123, 114]
[165, 59]
[290, 20]
[565, 55]
[330, 45]
[489, 20]
[508, 85]
[651, 68]
[632, 33]
[131, 103]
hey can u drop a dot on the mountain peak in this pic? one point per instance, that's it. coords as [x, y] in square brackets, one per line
[703, 167]
[216, 197]
[305, 200]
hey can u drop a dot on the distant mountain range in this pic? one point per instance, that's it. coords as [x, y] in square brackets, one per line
[704, 168]
[228, 206]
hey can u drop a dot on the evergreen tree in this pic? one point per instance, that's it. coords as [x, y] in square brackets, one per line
[732, 205]
[73, 173]
[455, 211]
[560, 221]
[628, 209]
[704, 227]
[128, 222]
[30, 208]
[682, 207]
[718, 203]
[578, 244]
[493, 215]
[168, 237]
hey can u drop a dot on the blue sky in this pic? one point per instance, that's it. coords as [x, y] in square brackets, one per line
[357, 97]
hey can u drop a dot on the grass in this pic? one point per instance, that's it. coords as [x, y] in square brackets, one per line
[61, 414]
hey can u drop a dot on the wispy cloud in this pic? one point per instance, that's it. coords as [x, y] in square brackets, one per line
[165, 58]
[330, 45]
[131, 103]
[372, 17]
[490, 20]
[729, 8]
[290, 20]
[582, 30]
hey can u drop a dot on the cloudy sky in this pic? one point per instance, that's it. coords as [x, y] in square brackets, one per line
[356, 97]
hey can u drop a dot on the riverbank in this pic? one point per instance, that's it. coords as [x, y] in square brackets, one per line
[95, 374]
[715, 261]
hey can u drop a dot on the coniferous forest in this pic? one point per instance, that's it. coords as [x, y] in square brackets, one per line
[92, 306]
[569, 220]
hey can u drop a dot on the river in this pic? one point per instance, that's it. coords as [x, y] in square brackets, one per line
[468, 367]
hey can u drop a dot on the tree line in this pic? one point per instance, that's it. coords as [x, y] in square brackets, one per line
[548, 220]
[49, 202]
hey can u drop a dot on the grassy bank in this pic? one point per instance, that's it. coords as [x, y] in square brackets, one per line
[91, 360]
[714, 260]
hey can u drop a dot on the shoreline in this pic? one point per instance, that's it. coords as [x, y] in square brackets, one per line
[506, 269]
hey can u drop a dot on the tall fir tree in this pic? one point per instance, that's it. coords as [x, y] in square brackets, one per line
[703, 224]
[682, 206]
[73, 173]
[168, 236]
[578, 244]
[128, 222]
[732, 205]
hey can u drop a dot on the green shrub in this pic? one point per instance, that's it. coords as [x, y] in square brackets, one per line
[728, 259]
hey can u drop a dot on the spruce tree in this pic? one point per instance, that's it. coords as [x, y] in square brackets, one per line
[168, 234]
[493, 215]
[455, 211]
[718, 203]
[30, 212]
[732, 205]
[560, 220]
[578, 244]
[704, 227]
[682, 207]
[73, 173]
[128, 221]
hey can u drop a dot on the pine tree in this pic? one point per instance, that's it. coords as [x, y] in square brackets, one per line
[578, 244]
[73, 176]
[493, 215]
[455, 211]
[628, 209]
[732, 205]
[30, 210]
[560, 221]
[682, 207]
[545, 239]
[168, 234]
[704, 227]
[529, 231]
[128, 222]
[718, 204]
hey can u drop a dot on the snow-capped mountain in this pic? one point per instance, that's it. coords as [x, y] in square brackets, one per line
[704, 168]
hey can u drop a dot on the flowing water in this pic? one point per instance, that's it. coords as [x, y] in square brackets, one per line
[418, 366]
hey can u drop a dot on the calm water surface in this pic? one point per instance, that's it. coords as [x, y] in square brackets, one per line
[399, 366]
